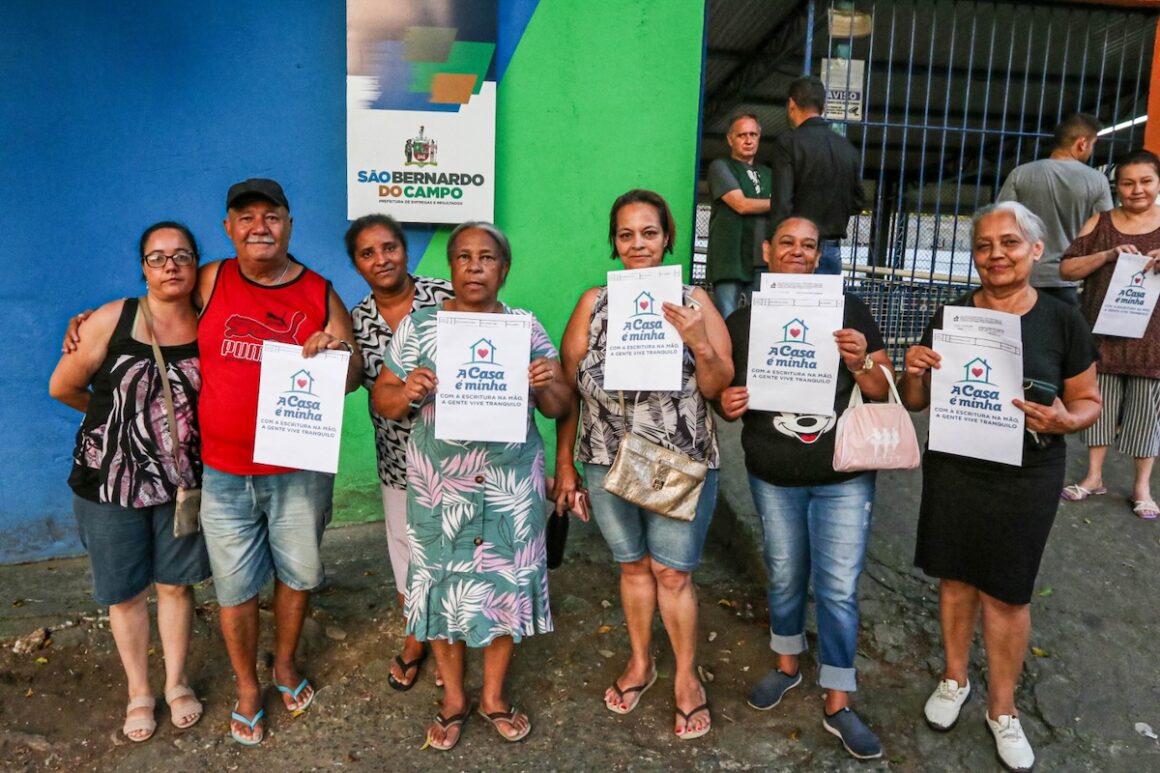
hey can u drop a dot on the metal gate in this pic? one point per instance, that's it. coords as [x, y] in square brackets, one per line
[954, 96]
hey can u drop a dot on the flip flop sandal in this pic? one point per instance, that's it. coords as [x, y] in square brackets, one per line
[639, 691]
[137, 724]
[254, 739]
[195, 710]
[294, 695]
[447, 723]
[1077, 493]
[689, 735]
[1145, 508]
[405, 666]
[508, 716]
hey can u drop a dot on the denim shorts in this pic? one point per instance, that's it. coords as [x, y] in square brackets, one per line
[633, 532]
[262, 526]
[133, 547]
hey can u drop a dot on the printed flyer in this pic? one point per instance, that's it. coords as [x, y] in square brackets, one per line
[793, 359]
[824, 284]
[969, 319]
[482, 367]
[971, 413]
[300, 404]
[1131, 299]
[643, 351]
[421, 103]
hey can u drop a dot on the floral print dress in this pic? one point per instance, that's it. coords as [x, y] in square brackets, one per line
[476, 514]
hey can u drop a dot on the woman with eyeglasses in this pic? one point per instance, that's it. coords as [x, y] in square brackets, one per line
[126, 468]
[478, 572]
[983, 525]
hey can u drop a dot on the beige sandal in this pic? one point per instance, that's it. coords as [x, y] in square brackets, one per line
[188, 718]
[140, 724]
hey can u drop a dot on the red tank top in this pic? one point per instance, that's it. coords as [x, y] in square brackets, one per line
[238, 317]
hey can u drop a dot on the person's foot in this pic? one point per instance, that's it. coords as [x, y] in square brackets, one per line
[858, 740]
[771, 688]
[407, 664]
[297, 693]
[634, 673]
[140, 723]
[1011, 744]
[693, 718]
[249, 706]
[184, 708]
[944, 704]
[444, 731]
[511, 723]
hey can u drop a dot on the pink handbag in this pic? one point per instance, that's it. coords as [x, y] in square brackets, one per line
[875, 436]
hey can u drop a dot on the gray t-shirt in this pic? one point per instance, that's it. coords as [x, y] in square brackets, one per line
[1065, 193]
[721, 181]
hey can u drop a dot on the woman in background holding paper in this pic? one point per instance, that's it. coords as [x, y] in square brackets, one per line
[126, 473]
[475, 510]
[1129, 368]
[656, 554]
[815, 521]
[983, 525]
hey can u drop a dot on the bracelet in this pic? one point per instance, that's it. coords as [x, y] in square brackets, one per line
[345, 345]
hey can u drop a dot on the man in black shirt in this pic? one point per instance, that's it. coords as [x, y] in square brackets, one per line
[815, 171]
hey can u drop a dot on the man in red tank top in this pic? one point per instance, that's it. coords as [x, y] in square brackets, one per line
[260, 521]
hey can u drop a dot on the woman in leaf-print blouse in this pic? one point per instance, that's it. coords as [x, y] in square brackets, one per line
[656, 554]
[475, 510]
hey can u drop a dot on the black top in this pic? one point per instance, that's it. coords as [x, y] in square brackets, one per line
[815, 175]
[792, 449]
[1057, 345]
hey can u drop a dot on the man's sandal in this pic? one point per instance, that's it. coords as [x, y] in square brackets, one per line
[193, 711]
[145, 725]
[508, 716]
[447, 723]
[294, 695]
[255, 737]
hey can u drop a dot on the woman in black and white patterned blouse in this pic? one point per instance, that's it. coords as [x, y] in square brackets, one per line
[378, 248]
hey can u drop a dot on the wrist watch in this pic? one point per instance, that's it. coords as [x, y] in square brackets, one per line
[867, 366]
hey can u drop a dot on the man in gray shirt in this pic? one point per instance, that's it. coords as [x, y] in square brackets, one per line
[1065, 192]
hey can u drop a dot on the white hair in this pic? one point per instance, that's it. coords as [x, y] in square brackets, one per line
[1029, 224]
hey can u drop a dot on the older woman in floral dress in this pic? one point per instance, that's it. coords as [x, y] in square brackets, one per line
[475, 510]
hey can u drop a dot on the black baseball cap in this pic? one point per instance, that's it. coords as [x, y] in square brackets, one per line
[257, 186]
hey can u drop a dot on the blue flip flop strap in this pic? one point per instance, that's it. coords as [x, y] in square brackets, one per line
[296, 691]
[250, 723]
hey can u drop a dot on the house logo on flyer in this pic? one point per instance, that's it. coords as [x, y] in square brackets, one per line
[299, 401]
[975, 389]
[1134, 294]
[645, 322]
[793, 350]
[481, 372]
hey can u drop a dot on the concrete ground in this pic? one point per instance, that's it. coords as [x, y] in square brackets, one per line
[1090, 675]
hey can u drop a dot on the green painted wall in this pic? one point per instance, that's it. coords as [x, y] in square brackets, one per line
[600, 97]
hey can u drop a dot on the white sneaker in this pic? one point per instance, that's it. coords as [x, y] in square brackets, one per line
[1011, 745]
[943, 706]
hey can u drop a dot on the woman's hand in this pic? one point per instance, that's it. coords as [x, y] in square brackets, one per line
[852, 347]
[689, 322]
[420, 383]
[1111, 254]
[72, 335]
[542, 372]
[321, 341]
[734, 401]
[568, 491]
[919, 359]
[1051, 419]
[1153, 264]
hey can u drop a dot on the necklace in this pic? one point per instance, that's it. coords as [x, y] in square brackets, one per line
[284, 270]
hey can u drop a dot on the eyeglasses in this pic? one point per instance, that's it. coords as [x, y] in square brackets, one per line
[179, 258]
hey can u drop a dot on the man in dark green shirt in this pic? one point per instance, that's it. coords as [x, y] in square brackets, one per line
[737, 221]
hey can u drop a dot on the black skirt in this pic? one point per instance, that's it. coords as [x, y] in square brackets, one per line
[985, 523]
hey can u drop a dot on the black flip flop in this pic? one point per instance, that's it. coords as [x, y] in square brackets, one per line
[447, 723]
[406, 666]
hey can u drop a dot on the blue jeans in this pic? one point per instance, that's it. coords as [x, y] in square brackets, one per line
[633, 532]
[831, 259]
[727, 296]
[816, 533]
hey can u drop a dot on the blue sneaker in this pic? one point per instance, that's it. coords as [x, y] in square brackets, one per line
[858, 739]
[772, 687]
